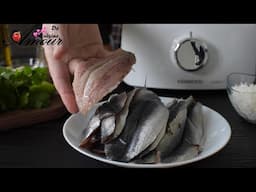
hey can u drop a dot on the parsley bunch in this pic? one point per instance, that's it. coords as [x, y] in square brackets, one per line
[24, 88]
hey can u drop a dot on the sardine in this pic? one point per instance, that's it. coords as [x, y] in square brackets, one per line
[107, 109]
[122, 116]
[114, 105]
[117, 148]
[90, 130]
[155, 143]
[150, 125]
[194, 137]
[175, 127]
[159, 137]
[104, 79]
[195, 133]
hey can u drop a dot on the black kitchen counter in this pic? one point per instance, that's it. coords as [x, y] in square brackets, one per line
[43, 145]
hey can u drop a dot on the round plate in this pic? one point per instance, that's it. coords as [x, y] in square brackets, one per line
[218, 133]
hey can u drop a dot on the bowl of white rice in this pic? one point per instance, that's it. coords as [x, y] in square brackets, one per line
[241, 90]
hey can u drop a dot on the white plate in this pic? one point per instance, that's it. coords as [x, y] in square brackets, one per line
[217, 129]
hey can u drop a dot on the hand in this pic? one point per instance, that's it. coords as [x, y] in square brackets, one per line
[80, 42]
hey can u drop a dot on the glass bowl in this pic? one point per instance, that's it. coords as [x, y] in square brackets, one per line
[241, 90]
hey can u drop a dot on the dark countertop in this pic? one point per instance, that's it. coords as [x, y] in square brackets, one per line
[43, 145]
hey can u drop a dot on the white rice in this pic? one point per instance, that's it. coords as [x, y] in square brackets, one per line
[243, 98]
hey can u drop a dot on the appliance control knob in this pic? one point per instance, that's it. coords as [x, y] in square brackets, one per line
[191, 54]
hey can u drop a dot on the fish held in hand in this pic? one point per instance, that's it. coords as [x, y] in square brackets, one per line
[94, 79]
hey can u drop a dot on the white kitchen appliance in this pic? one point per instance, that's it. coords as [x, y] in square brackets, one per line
[189, 56]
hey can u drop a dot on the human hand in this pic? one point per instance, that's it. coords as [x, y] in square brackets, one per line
[80, 43]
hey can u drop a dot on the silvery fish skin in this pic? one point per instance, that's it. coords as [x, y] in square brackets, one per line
[195, 133]
[107, 128]
[122, 116]
[175, 127]
[155, 143]
[105, 110]
[184, 152]
[91, 129]
[150, 125]
[114, 105]
[145, 94]
[152, 157]
[194, 137]
[159, 137]
[117, 148]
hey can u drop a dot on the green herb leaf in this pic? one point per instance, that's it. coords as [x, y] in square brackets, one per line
[24, 87]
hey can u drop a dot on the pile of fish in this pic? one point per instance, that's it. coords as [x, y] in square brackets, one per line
[137, 127]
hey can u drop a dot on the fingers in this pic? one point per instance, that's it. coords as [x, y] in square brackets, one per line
[60, 50]
[61, 77]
